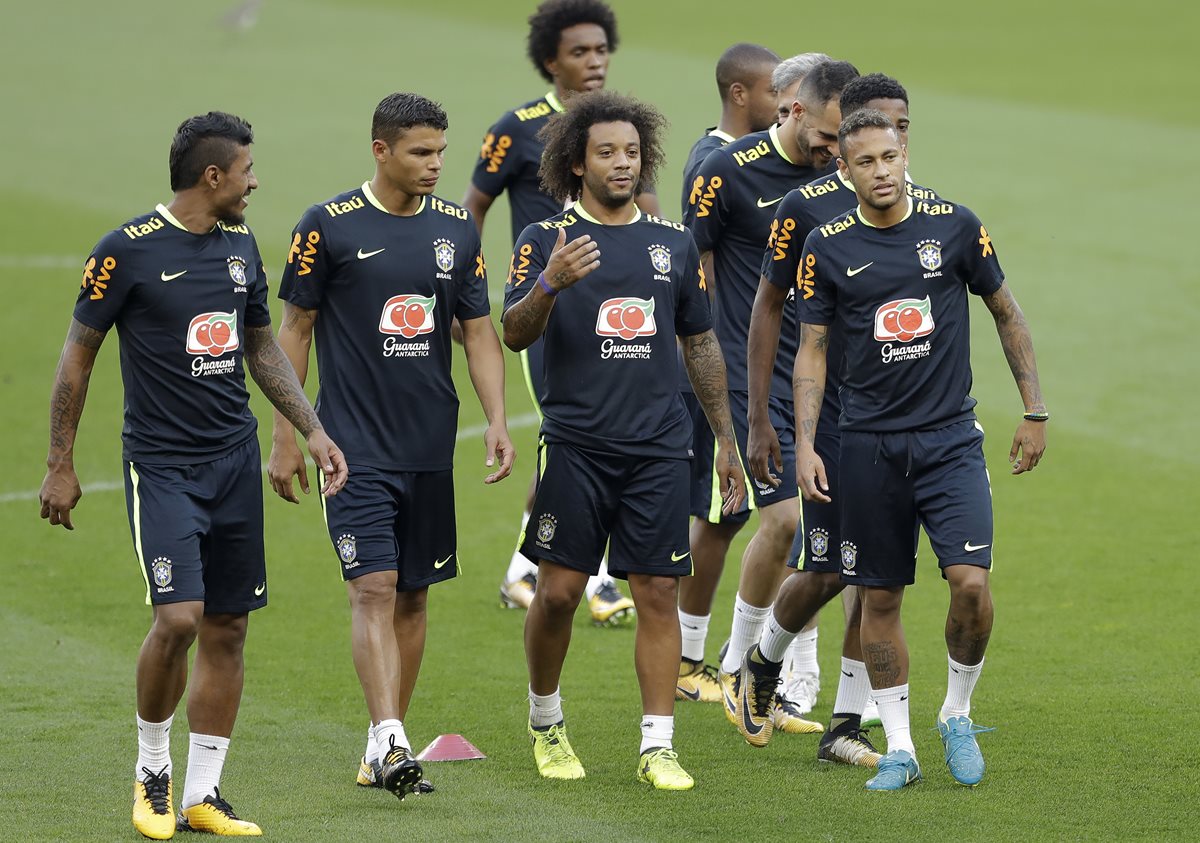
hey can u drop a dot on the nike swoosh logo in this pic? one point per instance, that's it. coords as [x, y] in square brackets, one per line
[439, 565]
[166, 277]
[903, 698]
[747, 723]
[691, 695]
[850, 273]
[259, 589]
[971, 548]
[206, 746]
[675, 557]
[362, 256]
[844, 673]
[688, 625]
[763, 204]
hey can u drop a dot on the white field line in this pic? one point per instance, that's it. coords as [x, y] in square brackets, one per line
[514, 423]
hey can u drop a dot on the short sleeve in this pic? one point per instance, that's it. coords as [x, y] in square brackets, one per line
[707, 210]
[500, 157]
[781, 260]
[258, 312]
[473, 288]
[983, 273]
[107, 282]
[307, 269]
[526, 264]
[693, 313]
[816, 292]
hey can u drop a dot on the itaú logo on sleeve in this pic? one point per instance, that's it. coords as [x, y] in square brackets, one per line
[626, 318]
[904, 320]
[211, 335]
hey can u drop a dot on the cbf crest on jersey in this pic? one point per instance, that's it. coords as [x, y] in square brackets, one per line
[818, 541]
[443, 253]
[660, 258]
[161, 568]
[929, 252]
[237, 270]
[347, 549]
[547, 525]
[849, 555]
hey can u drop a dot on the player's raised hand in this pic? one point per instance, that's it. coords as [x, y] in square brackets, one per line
[60, 492]
[499, 447]
[731, 478]
[330, 460]
[1029, 443]
[287, 461]
[810, 474]
[570, 262]
[762, 449]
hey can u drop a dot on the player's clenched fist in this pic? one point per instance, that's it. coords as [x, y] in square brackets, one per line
[570, 262]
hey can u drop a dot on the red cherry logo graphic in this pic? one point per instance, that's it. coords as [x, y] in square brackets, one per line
[910, 320]
[219, 333]
[891, 322]
[202, 335]
[613, 317]
[633, 317]
[397, 316]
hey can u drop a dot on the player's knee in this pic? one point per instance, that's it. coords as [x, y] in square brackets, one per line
[177, 625]
[556, 598]
[877, 602]
[373, 591]
[778, 524]
[969, 588]
[656, 596]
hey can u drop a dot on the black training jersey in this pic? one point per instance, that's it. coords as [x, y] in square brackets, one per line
[386, 288]
[509, 160]
[611, 371]
[712, 139]
[899, 296]
[800, 212]
[181, 303]
[730, 208]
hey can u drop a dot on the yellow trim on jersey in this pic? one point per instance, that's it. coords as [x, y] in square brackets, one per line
[367, 192]
[169, 217]
[869, 224]
[523, 355]
[577, 207]
[555, 103]
[774, 133]
[137, 525]
[725, 136]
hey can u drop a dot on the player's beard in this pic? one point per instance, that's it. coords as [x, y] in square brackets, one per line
[605, 195]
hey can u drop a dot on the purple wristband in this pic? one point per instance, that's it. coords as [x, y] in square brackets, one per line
[550, 291]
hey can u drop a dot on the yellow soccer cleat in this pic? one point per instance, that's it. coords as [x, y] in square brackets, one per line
[756, 700]
[368, 774]
[553, 754]
[659, 766]
[787, 718]
[610, 607]
[518, 594]
[216, 816]
[730, 684]
[153, 815]
[698, 682]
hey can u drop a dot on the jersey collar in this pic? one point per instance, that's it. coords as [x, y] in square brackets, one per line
[169, 217]
[366, 189]
[774, 133]
[863, 219]
[577, 208]
[552, 98]
[717, 133]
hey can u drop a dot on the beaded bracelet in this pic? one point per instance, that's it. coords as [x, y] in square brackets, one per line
[1037, 417]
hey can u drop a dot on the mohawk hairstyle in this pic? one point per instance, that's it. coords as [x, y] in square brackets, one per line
[212, 138]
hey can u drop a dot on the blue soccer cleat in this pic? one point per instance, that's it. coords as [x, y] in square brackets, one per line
[962, 750]
[896, 770]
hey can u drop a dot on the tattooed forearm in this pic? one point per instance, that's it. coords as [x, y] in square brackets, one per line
[1017, 343]
[706, 371]
[81, 334]
[70, 388]
[883, 664]
[526, 320]
[808, 379]
[277, 379]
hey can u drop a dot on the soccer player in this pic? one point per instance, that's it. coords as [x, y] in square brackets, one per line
[786, 80]
[813, 553]
[730, 210]
[894, 273]
[569, 45]
[185, 286]
[610, 289]
[747, 105]
[379, 272]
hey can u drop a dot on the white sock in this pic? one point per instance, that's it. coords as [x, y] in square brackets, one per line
[372, 750]
[893, 711]
[206, 759]
[154, 747]
[601, 578]
[545, 711]
[854, 686]
[657, 731]
[959, 685]
[694, 629]
[803, 653]
[389, 733]
[519, 566]
[747, 627]
[775, 640]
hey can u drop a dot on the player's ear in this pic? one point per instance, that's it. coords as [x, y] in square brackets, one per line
[379, 149]
[577, 169]
[843, 168]
[212, 176]
[737, 93]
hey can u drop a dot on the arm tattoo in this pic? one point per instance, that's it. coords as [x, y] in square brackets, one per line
[883, 664]
[81, 334]
[71, 385]
[706, 371]
[809, 391]
[298, 318]
[526, 320]
[277, 379]
[1017, 343]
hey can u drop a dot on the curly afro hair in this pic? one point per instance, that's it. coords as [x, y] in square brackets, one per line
[566, 137]
[553, 16]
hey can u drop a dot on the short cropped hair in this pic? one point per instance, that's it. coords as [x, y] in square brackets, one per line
[824, 83]
[553, 16]
[741, 63]
[790, 71]
[397, 113]
[212, 138]
[873, 86]
[566, 137]
[863, 118]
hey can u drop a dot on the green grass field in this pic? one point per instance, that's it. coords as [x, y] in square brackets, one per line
[1069, 133]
